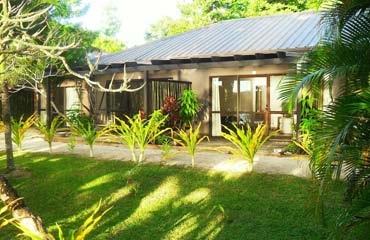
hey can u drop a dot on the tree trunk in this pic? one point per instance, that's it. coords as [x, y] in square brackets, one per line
[20, 212]
[91, 151]
[50, 147]
[7, 126]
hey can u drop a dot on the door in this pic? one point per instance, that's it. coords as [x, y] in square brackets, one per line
[237, 100]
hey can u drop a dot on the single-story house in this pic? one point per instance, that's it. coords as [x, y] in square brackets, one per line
[233, 66]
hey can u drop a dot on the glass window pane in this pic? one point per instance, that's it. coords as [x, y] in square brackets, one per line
[275, 102]
[228, 90]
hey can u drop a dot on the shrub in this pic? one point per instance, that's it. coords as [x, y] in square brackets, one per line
[138, 132]
[19, 129]
[165, 144]
[79, 234]
[49, 132]
[246, 142]
[189, 106]
[89, 132]
[171, 108]
[190, 140]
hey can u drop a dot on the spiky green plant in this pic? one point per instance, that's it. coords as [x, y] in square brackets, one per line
[85, 229]
[138, 132]
[49, 132]
[126, 134]
[89, 132]
[165, 145]
[146, 131]
[190, 139]
[19, 128]
[246, 142]
[71, 143]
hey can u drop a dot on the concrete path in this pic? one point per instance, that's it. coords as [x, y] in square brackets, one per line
[212, 160]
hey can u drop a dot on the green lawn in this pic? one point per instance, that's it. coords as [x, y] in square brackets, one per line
[167, 202]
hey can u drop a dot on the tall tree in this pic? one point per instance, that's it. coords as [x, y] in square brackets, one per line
[339, 141]
[21, 27]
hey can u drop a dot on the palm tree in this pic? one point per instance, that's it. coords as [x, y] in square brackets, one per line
[340, 141]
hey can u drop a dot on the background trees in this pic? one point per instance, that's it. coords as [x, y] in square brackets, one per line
[199, 13]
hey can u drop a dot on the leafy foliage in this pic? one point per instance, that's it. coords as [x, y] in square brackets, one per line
[190, 140]
[19, 129]
[139, 132]
[49, 132]
[199, 13]
[81, 234]
[171, 108]
[339, 145]
[189, 106]
[165, 145]
[246, 142]
[89, 132]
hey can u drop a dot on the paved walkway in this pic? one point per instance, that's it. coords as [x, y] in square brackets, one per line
[207, 159]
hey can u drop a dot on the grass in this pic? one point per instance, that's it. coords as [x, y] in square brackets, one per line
[158, 202]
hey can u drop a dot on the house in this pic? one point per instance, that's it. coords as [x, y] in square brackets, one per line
[233, 66]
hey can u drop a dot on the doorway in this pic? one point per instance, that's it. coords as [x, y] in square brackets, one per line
[238, 101]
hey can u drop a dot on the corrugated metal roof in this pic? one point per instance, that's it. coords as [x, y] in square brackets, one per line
[246, 36]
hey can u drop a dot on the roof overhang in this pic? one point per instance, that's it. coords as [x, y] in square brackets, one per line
[258, 59]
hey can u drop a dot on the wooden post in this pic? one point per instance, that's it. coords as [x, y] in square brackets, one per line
[48, 102]
[146, 93]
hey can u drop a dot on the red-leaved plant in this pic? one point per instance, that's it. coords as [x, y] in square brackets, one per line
[171, 108]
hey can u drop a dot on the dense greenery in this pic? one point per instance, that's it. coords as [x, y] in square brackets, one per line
[159, 202]
[338, 138]
[199, 13]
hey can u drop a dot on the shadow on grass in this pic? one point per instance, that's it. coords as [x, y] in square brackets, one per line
[157, 202]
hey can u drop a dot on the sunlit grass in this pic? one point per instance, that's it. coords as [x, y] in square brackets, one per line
[159, 202]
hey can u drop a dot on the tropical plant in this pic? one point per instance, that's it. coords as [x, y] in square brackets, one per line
[80, 234]
[246, 141]
[49, 131]
[89, 132]
[341, 144]
[139, 132]
[165, 145]
[71, 143]
[126, 134]
[189, 106]
[19, 129]
[171, 108]
[146, 131]
[190, 139]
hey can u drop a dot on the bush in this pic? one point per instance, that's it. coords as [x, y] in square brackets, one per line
[19, 129]
[189, 106]
[190, 140]
[246, 142]
[138, 132]
[49, 132]
[171, 108]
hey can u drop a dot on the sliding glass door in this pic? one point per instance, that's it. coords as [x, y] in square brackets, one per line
[238, 100]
